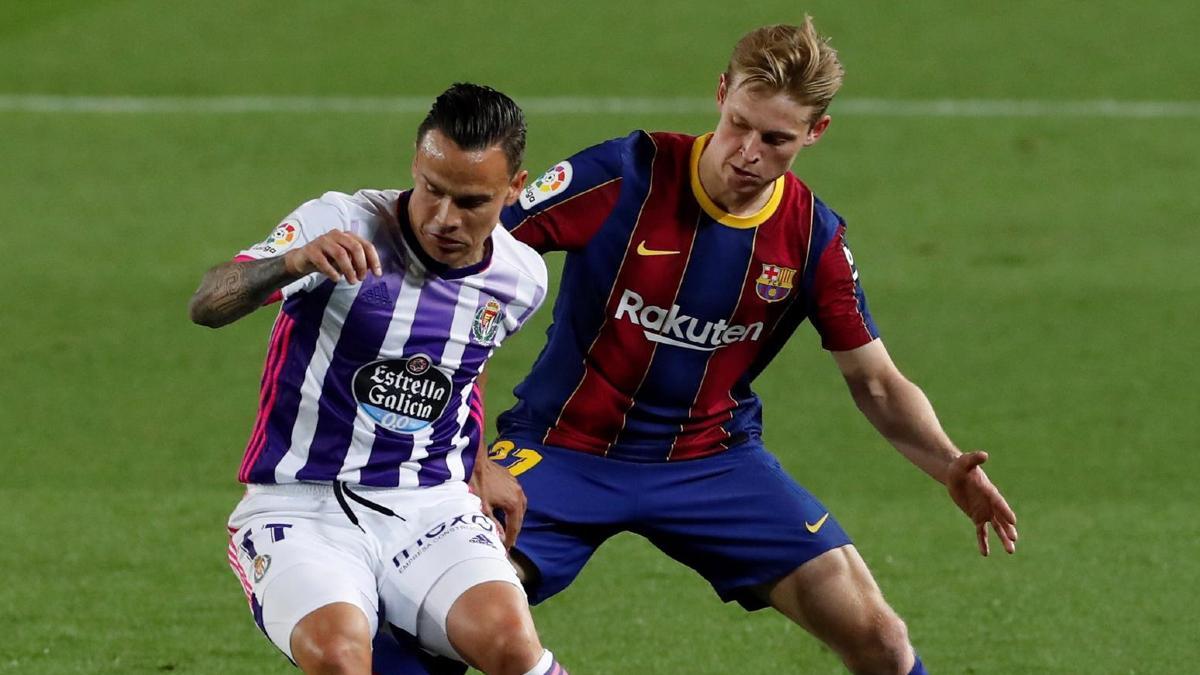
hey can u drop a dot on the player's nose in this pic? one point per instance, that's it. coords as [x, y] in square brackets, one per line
[447, 215]
[749, 152]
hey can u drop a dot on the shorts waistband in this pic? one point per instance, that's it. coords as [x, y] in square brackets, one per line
[309, 489]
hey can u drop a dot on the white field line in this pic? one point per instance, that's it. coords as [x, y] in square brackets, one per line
[569, 105]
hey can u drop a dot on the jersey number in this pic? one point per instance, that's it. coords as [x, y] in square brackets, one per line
[526, 459]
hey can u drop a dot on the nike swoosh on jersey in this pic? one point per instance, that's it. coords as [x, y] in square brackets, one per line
[642, 250]
[814, 527]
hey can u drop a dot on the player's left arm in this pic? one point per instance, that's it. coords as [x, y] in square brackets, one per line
[893, 404]
[902, 413]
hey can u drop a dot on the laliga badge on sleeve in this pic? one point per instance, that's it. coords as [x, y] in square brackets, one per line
[280, 240]
[553, 182]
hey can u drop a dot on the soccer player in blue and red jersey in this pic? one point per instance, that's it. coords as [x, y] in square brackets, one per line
[690, 261]
[357, 505]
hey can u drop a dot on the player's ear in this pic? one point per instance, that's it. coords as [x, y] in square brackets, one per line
[722, 90]
[515, 186]
[816, 130]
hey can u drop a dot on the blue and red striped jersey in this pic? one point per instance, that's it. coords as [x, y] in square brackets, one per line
[669, 307]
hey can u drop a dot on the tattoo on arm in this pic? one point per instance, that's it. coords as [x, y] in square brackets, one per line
[232, 290]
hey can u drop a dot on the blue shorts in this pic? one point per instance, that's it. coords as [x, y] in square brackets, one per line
[394, 652]
[736, 517]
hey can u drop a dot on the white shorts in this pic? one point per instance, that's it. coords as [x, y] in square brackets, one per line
[295, 550]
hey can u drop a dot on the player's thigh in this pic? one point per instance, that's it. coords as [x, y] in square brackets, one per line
[291, 565]
[479, 614]
[738, 519]
[575, 502]
[456, 547]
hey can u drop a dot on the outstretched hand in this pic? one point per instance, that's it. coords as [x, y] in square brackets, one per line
[500, 491]
[971, 490]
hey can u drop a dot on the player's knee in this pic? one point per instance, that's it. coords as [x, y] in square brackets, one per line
[503, 641]
[512, 645]
[333, 655]
[882, 647]
[335, 638]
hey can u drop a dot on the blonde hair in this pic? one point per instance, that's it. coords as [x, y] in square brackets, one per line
[793, 60]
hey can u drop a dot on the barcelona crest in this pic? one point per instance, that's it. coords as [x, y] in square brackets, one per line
[775, 282]
[487, 322]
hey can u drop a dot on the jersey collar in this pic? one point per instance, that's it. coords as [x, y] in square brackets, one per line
[717, 213]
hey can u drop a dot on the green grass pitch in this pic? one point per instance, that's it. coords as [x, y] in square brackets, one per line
[1037, 275]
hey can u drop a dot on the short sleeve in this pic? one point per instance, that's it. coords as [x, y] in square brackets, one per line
[838, 305]
[311, 220]
[563, 208]
[532, 286]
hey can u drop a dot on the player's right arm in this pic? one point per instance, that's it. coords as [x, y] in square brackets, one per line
[234, 289]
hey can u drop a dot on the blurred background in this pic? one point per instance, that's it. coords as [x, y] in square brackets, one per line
[1022, 187]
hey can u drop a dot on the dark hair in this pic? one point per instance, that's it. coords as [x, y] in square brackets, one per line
[476, 118]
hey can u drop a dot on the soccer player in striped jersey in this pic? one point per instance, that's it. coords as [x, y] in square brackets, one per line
[689, 262]
[357, 505]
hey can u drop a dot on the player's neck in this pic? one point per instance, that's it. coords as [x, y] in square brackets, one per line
[728, 200]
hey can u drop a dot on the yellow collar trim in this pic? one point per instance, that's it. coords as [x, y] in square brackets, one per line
[717, 213]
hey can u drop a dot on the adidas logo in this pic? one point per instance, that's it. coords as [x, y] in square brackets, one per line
[480, 539]
[377, 294]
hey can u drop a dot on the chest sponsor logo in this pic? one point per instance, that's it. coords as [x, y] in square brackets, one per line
[775, 282]
[670, 326]
[281, 239]
[402, 394]
[553, 182]
[487, 323]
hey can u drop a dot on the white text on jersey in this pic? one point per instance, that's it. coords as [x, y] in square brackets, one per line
[669, 326]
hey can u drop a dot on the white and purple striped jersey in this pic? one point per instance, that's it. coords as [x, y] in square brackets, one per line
[372, 384]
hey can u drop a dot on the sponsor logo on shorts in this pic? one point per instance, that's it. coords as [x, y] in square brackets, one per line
[480, 539]
[487, 323]
[262, 563]
[553, 182]
[673, 327]
[281, 239]
[816, 527]
[402, 394]
[775, 282]
[468, 521]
